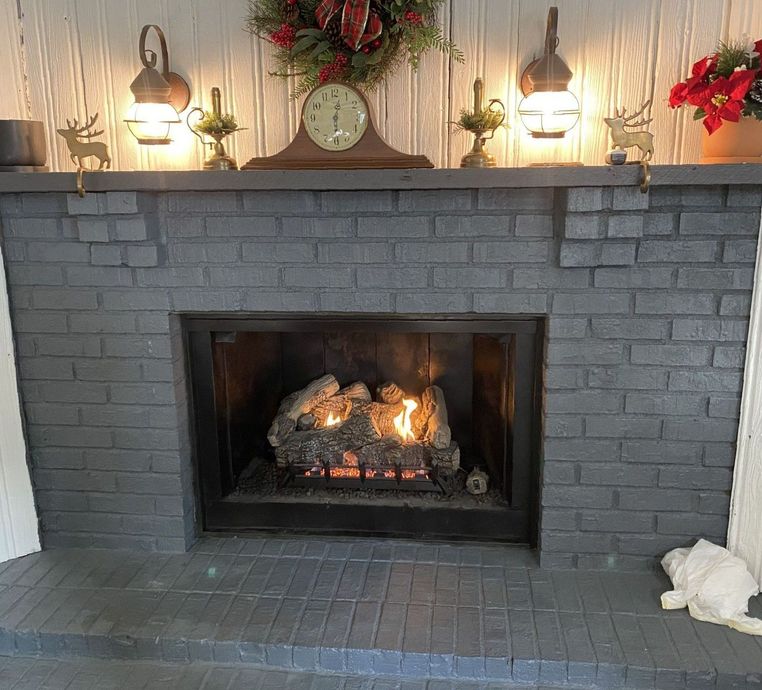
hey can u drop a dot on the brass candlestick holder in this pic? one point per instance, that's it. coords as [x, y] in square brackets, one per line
[216, 125]
[482, 123]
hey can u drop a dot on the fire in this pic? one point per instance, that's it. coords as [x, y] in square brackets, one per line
[402, 424]
[332, 421]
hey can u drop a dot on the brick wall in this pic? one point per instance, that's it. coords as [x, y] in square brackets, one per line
[647, 295]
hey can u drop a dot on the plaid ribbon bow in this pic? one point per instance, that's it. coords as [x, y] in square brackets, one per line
[358, 25]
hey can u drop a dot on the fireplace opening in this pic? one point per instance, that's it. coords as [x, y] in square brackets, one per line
[416, 427]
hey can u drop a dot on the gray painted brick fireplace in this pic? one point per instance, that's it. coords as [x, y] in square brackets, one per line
[647, 299]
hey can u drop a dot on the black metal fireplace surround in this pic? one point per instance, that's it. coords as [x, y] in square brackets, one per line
[487, 367]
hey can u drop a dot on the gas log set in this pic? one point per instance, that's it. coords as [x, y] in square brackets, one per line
[325, 435]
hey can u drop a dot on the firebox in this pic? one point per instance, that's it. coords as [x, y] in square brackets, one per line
[385, 426]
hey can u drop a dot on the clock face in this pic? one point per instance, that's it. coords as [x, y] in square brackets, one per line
[335, 117]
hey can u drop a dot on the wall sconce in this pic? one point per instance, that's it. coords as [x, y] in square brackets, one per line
[159, 96]
[548, 109]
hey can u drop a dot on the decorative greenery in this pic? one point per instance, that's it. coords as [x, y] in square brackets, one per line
[723, 86]
[216, 124]
[361, 42]
[483, 121]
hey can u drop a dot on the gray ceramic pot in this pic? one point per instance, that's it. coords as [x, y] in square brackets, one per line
[22, 143]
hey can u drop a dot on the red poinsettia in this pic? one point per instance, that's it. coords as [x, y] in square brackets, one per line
[723, 98]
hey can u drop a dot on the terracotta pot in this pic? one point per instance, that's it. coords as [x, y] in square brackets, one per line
[734, 142]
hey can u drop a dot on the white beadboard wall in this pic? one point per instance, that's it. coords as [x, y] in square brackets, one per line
[73, 58]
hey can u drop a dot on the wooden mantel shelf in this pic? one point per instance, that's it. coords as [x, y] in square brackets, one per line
[448, 178]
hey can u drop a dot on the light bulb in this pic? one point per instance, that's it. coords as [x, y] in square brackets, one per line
[150, 122]
[549, 114]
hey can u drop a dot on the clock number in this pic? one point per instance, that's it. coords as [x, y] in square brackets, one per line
[325, 96]
[316, 105]
[313, 117]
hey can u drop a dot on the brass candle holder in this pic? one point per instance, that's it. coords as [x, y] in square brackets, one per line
[482, 123]
[216, 125]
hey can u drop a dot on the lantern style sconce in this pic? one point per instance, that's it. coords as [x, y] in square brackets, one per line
[548, 109]
[159, 96]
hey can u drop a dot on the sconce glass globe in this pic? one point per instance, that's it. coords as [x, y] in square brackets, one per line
[150, 122]
[549, 114]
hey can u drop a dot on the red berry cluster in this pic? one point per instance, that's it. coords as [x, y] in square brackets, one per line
[413, 17]
[335, 69]
[285, 37]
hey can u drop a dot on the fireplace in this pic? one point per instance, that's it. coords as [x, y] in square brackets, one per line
[415, 427]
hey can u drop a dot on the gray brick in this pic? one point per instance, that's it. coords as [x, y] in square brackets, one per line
[677, 252]
[638, 277]
[740, 251]
[259, 300]
[567, 328]
[107, 370]
[744, 196]
[698, 429]
[55, 252]
[563, 427]
[192, 202]
[105, 255]
[622, 427]
[391, 277]
[90, 204]
[238, 226]
[148, 439]
[512, 252]
[116, 415]
[34, 228]
[617, 254]
[727, 407]
[142, 394]
[729, 357]
[394, 226]
[657, 499]
[142, 256]
[585, 353]
[130, 229]
[715, 478]
[318, 277]
[473, 226]
[543, 278]
[202, 299]
[709, 330]
[599, 474]
[55, 368]
[655, 224]
[14, 251]
[714, 503]
[280, 202]
[176, 276]
[136, 300]
[92, 230]
[674, 303]
[630, 329]
[91, 276]
[121, 202]
[361, 252]
[534, 226]
[184, 227]
[581, 402]
[436, 200]
[279, 252]
[317, 227]
[525, 199]
[720, 381]
[558, 473]
[129, 347]
[357, 202]
[470, 277]
[706, 279]
[722, 223]
[510, 303]
[706, 195]
[620, 225]
[74, 392]
[194, 252]
[627, 378]
[73, 300]
[34, 275]
[665, 404]
[661, 453]
[587, 226]
[580, 254]
[630, 199]
[616, 521]
[691, 525]
[356, 301]
[39, 322]
[585, 199]
[585, 450]
[671, 355]
[720, 454]
[102, 323]
[577, 497]
[425, 252]
[432, 303]
[576, 303]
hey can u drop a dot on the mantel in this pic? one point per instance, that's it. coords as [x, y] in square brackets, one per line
[446, 178]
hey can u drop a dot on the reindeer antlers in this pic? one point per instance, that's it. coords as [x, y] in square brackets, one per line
[82, 131]
[628, 120]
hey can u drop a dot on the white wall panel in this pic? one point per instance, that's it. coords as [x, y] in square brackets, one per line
[79, 57]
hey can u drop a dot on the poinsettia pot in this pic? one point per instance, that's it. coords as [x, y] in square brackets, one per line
[734, 142]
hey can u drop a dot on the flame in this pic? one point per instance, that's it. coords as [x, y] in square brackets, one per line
[402, 424]
[332, 421]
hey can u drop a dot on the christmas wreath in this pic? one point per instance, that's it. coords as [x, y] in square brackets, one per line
[358, 41]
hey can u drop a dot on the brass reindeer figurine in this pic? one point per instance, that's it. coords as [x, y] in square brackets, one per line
[623, 139]
[78, 150]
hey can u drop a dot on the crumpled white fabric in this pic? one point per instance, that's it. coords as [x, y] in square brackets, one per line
[714, 584]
